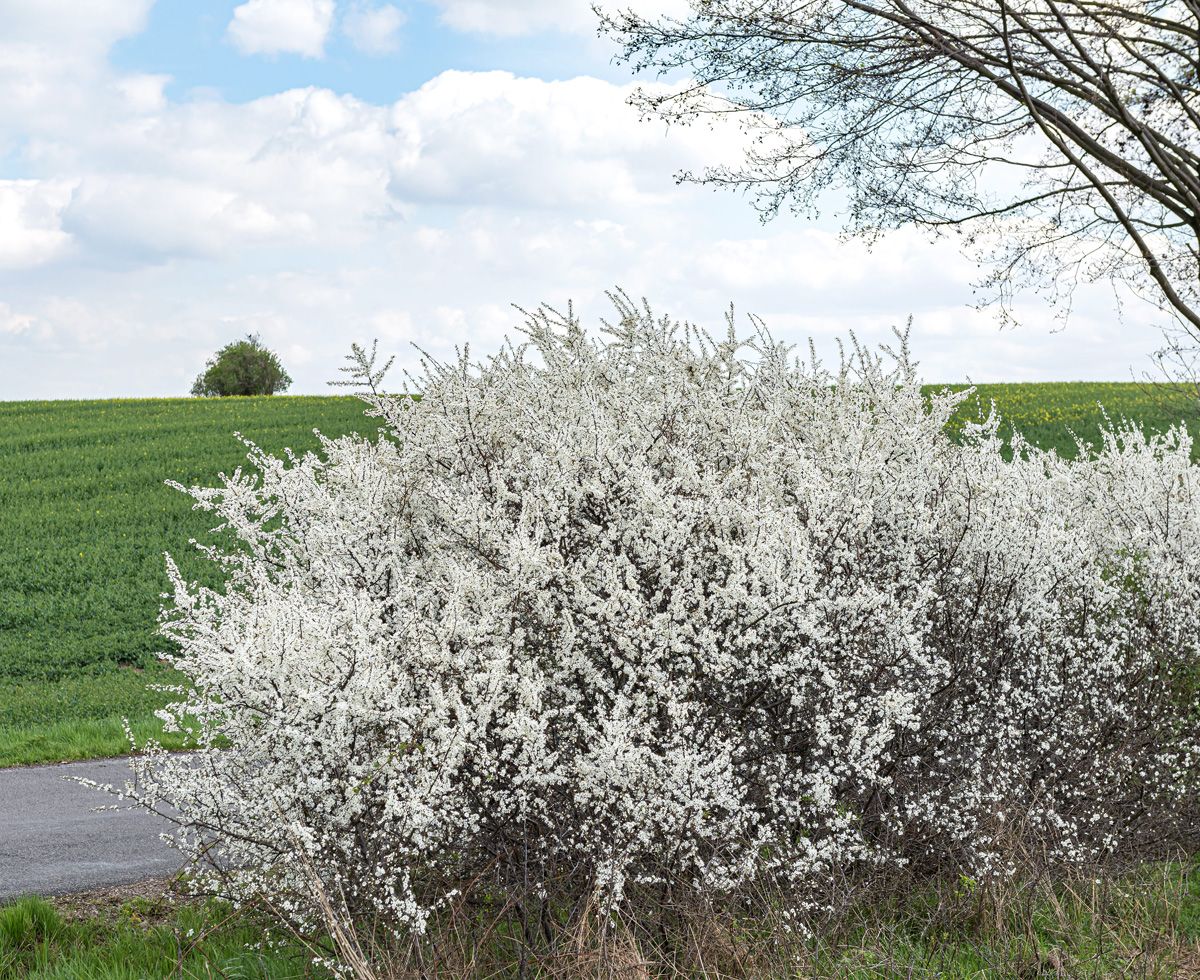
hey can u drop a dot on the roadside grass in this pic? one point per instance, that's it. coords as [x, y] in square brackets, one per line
[85, 518]
[1144, 924]
[143, 940]
[73, 718]
[69, 741]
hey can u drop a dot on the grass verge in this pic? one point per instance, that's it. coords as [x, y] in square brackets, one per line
[1145, 924]
[75, 741]
[142, 938]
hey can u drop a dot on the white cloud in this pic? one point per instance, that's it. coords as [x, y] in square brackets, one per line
[278, 26]
[149, 330]
[12, 322]
[143, 93]
[468, 138]
[159, 180]
[509, 18]
[71, 24]
[208, 177]
[160, 229]
[818, 260]
[52, 60]
[31, 231]
[374, 30]
[153, 218]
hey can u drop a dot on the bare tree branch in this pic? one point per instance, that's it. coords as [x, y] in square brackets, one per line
[917, 109]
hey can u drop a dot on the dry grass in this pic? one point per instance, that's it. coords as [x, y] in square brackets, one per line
[1145, 924]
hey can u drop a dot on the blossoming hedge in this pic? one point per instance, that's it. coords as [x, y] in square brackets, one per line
[611, 611]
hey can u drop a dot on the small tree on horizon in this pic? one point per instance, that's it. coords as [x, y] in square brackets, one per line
[242, 367]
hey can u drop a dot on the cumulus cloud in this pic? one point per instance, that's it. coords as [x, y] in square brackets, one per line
[209, 177]
[281, 26]
[52, 60]
[155, 218]
[817, 261]
[152, 230]
[143, 93]
[31, 212]
[162, 180]
[374, 30]
[12, 322]
[440, 284]
[470, 137]
[510, 18]
[93, 25]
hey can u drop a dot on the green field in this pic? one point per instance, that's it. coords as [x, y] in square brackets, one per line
[85, 519]
[1050, 415]
[50, 940]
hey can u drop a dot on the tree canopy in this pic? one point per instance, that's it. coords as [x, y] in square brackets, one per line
[243, 367]
[1058, 137]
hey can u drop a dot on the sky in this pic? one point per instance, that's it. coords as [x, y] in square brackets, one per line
[177, 174]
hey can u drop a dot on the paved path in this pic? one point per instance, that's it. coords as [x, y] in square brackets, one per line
[52, 840]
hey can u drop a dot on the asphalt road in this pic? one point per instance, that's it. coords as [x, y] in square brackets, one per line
[52, 840]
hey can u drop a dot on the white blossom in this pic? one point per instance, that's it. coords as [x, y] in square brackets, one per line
[604, 612]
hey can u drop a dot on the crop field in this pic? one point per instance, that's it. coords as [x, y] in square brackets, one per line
[85, 518]
[1050, 415]
[84, 521]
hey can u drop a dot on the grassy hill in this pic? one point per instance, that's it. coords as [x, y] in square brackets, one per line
[85, 519]
[1050, 414]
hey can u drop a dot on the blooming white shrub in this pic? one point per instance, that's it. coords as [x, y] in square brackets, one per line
[603, 612]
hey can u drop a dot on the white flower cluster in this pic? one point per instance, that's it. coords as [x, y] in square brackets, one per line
[599, 613]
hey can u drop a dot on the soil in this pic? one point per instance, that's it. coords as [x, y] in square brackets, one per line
[148, 902]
